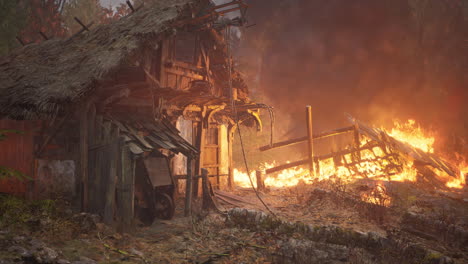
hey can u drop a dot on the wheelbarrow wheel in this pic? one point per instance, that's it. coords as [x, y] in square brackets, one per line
[164, 206]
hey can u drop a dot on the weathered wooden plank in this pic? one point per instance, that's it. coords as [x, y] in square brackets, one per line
[310, 139]
[188, 188]
[91, 158]
[126, 189]
[287, 166]
[230, 157]
[95, 169]
[207, 202]
[165, 55]
[304, 139]
[322, 157]
[185, 74]
[84, 157]
[260, 182]
[112, 182]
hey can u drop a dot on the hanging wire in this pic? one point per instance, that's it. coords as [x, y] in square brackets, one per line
[236, 117]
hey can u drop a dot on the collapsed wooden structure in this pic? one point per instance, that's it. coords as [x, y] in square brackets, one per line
[156, 85]
[389, 154]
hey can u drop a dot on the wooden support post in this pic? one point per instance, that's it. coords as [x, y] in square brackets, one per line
[311, 140]
[93, 191]
[127, 187]
[357, 141]
[188, 188]
[207, 202]
[116, 144]
[203, 125]
[84, 157]
[260, 182]
[231, 130]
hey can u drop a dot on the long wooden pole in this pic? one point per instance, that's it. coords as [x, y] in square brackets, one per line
[310, 140]
[188, 188]
[84, 157]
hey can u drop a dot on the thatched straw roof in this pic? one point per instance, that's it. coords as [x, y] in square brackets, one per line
[38, 80]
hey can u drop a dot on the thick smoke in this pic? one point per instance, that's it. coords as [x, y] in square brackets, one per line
[376, 60]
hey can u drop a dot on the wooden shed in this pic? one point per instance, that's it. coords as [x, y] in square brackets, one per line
[159, 82]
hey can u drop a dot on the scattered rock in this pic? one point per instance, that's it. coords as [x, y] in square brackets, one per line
[303, 251]
[36, 244]
[44, 222]
[84, 260]
[63, 261]
[136, 252]
[18, 239]
[24, 253]
[45, 255]
[87, 222]
[116, 236]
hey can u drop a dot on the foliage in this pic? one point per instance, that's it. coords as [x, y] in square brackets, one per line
[16, 211]
[6, 172]
[43, 16]
[89, 11]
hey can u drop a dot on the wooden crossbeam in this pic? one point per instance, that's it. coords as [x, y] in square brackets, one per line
[304, 139]
[130, 6]
[43, 35]
[322, 157]
[20, 41]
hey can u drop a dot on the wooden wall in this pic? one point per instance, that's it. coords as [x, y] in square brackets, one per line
[17, 152]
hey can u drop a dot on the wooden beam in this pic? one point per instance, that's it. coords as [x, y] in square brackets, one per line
[130, 6]
[207, 201]
[93, 192]
[81, 23]
[114, 161]
[304, 139]
[86, 28]
[260, 182]
[127, 187]
[203, 125]
[43, 35]
[322, 157]
[188, 188]
[231, 130]
[310, 140]
[185, 74]
[84, 157]
[20, 41]
[287, 166]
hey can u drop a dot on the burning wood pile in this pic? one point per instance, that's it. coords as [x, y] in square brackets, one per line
[403, 154]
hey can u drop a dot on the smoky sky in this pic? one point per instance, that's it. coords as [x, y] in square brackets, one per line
[360, 57]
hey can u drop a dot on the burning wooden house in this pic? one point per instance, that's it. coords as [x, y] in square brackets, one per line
[116, 113]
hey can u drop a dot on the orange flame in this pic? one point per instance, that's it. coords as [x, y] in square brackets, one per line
[371, 164]
[415, 136]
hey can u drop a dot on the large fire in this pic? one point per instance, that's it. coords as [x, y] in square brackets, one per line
[371, 165]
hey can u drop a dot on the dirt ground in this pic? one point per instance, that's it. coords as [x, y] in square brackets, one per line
[65, 237]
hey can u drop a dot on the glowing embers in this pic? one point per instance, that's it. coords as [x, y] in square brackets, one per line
[286, 178]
